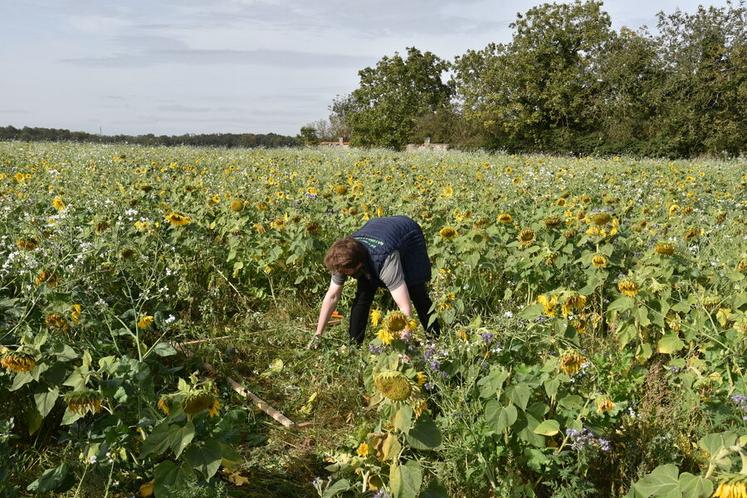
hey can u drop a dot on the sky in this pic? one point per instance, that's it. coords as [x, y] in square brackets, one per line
[234, 66]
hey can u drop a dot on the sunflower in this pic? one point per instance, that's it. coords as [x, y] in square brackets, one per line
[259, 228]
[601, 218]
[18, 361]
[340, 189]
[278, 223]
[664, 248]
[604, 404]
[599, 261]
[178, 219]
[447, 233]
[731, 486]
[163, 405]
[75, 311]
[58, 204]
[27, 244]
[200, 401]
[375, 318]
[145, 322]
[526, 237]
[385, 336]
[57, 322]
[504, 218]
[574, 302]
[262, 206]
[571, 362]
[393, 385]
[742, 265]
[628, 287]
[237, 205]
[447, 192]
[691, 233]
[549, 304]
[363, 450]
[82, 402]
[312, 191]
[552, 221]
[395, 321]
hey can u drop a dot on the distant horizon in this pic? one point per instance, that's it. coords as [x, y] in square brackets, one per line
[173, 67]
[103, 134]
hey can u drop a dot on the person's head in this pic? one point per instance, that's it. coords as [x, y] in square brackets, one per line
[345, 256]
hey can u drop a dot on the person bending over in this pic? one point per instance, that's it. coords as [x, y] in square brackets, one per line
[386, 252]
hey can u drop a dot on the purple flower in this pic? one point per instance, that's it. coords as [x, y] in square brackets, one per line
[374, 349]
[487, 337]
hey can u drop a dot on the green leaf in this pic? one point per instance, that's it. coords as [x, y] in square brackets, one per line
[551, 387]
[57, 479]
[157, 441]
[695, 486]
[500, 417]
[70, 417]
[491, 383]
[20, 380]
[434, 490]
[181, 438]
[520, 394]
[669, 344]
[164, 349]
[403, 418]
[405, 480]
[713, 442]
[548, 427]
[621, 304]
[424, 435]
[662, 483]
[338, 487]
[170, 478]
[532, 311]
[205, 459]
[45, 401]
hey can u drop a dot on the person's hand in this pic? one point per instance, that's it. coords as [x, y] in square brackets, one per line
[316, 339]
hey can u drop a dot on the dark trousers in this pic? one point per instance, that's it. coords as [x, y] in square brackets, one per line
[364, 296]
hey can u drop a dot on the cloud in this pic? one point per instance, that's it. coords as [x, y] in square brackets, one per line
[259, 57]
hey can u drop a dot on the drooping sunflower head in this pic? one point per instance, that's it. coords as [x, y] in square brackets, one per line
[504, 218]
[599, 261]
[526, 236]
[549, 304]
[628, 287]
[18, 361]
[393, 385]
[664, 248]
[56, 321]
[571, 362]
[200, 401]
[731, 486]
[574, 302]
[604, 404]
[27, 244]
[395, 321]
[85, 401]
[448, 233]
[552, 221]
[601, 218]
[178, 219]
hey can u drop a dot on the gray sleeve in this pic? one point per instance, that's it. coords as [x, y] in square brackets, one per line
[391, 271]
[339, 278]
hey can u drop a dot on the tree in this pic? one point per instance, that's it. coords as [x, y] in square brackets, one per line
[308, 135]
[539, 91]
[392, 96]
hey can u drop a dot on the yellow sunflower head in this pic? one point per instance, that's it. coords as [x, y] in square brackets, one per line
[504, 218]
[447, 233]
[664, 248]
[395, 321]
[178, 219]
[393, 385]
[571, 362]
[599, 261]
[628, 287]
[526, 236]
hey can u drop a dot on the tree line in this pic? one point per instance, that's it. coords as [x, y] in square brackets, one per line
[228, 140]
[566, 83]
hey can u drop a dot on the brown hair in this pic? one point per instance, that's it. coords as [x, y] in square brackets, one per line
[345, 254]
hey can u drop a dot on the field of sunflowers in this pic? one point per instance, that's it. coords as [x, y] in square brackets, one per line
[594, 316]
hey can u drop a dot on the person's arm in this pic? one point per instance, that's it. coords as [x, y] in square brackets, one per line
[402, 297]
[328, 306]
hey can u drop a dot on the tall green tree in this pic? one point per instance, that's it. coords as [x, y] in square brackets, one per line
[539, 91]
[392, 97]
